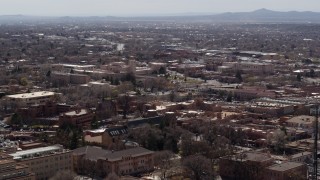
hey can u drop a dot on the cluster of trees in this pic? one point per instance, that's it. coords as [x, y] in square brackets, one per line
[156, 139]
[278, 140]
[198, 147]
[69, 136]
[17, 120]
[211, 141]
[130, 77]
[206, 143]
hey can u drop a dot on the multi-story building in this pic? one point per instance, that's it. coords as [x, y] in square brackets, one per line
[95, 160]
[45, 162]
[302, 157]
[27, 99]
[48, 109]
[257, 165]
[251, 67]
[69, 67]
[248, 165]
[274, 109]
[286, 171]
[79, 117]
[105, 137]
[11, 170]
[115, 67]
[301, 122]
[100, 87]
[61, 78]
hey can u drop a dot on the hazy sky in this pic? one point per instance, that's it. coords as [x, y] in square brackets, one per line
[147, 7]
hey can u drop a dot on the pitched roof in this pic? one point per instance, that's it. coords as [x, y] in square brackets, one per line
[94, 153]
[91, 152]
[133, 152]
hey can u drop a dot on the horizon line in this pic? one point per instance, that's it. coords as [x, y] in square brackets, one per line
[134, 15]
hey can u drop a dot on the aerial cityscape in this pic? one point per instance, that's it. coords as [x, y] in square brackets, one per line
[159, 95]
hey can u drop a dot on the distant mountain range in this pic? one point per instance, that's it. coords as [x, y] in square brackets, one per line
[261, 15]
[265, 15]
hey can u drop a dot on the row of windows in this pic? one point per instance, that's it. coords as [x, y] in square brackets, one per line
[133, 170]
[61, 157]
[15, 174]
[7, 167]
[45, 166]
[274, 174]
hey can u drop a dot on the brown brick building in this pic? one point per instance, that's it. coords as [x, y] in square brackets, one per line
[248, 165]
[91, 160]
[286, 171]
[79, 117]
[256, 165]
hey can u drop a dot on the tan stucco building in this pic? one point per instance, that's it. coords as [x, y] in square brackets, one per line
[11, 170]
[45, 162]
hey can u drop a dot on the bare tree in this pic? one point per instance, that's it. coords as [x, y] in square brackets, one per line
[65, 175]
[112, 176]
[278, 141]
[163, 160]
[200, 167]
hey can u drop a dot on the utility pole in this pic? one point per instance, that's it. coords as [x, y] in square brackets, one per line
[315, 161]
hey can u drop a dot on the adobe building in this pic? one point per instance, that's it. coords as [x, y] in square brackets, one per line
[105, 137]
[95, 160]
[251, 67]
[302, 122]
[69, 78]
[100, 87]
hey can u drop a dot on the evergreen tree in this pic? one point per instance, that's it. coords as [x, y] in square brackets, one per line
[299, 77]
[162, 70]
[229, 98]
[16, 119]
[48, 73]
[74, 141]
[239, 76]
[94, 123]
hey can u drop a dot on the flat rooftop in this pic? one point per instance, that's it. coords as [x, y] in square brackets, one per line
[76, 113]
[95, 153]
[36, 151]
[303, 119]
[285, 166]
[31, 95]
[306, 153]
[76, 66]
